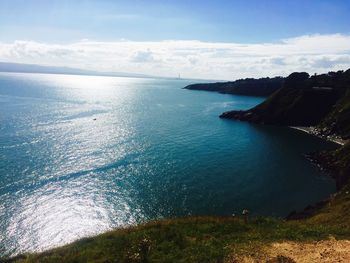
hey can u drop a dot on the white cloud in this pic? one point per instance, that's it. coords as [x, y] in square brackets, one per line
[196, 59]
[143, 56]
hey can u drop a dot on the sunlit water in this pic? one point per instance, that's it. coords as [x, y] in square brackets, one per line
[82, 154]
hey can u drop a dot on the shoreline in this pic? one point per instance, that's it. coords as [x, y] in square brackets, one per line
[312, 130]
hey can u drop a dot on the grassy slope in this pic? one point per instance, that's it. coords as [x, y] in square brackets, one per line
[290, 106]
[204, 239]
[337, 212]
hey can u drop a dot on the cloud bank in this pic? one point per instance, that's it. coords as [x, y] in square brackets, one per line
[192, 59]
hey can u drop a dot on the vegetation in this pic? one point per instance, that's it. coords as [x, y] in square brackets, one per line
[304, 101]
[251, 87]
[202, 239]
[288, 106]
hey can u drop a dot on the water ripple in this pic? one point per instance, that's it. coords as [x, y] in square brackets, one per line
[81, 154]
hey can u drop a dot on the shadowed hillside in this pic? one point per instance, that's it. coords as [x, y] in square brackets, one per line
[250, 87]
[303, 101]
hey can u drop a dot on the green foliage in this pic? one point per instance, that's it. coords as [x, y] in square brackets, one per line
[296, 80]
[249, 86]
[304, 101]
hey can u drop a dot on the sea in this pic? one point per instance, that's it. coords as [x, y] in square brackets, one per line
[80, 155]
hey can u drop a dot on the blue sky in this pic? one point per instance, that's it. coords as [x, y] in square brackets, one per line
[62, 22]
[224, 21]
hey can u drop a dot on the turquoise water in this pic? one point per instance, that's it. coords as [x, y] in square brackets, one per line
[82, 154]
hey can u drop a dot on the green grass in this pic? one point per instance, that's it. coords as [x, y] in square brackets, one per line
[337, 212]
[193, 239]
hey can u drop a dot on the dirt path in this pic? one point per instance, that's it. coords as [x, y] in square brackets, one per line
[325, 251]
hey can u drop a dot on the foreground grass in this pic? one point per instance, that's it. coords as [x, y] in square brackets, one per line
[201, 239]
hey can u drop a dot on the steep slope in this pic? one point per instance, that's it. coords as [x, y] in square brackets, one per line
[194, 239]
[302, 101]
[290, 106]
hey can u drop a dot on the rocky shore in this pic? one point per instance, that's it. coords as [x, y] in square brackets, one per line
[248, 115]
[321, 134]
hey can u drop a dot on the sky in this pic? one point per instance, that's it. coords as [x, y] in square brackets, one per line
[197, 39]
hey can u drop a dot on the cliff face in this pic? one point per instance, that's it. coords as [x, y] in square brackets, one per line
[250, 87]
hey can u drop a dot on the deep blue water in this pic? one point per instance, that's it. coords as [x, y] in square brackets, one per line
[155, 150]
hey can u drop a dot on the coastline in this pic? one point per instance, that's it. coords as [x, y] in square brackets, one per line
[312, 130]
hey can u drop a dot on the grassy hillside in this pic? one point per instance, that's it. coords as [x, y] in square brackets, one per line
[203, 239]
[305, 101]
[288, 106]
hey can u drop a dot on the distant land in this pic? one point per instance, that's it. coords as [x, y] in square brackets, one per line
[33, 68]
[41, 69]
[251, 87]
